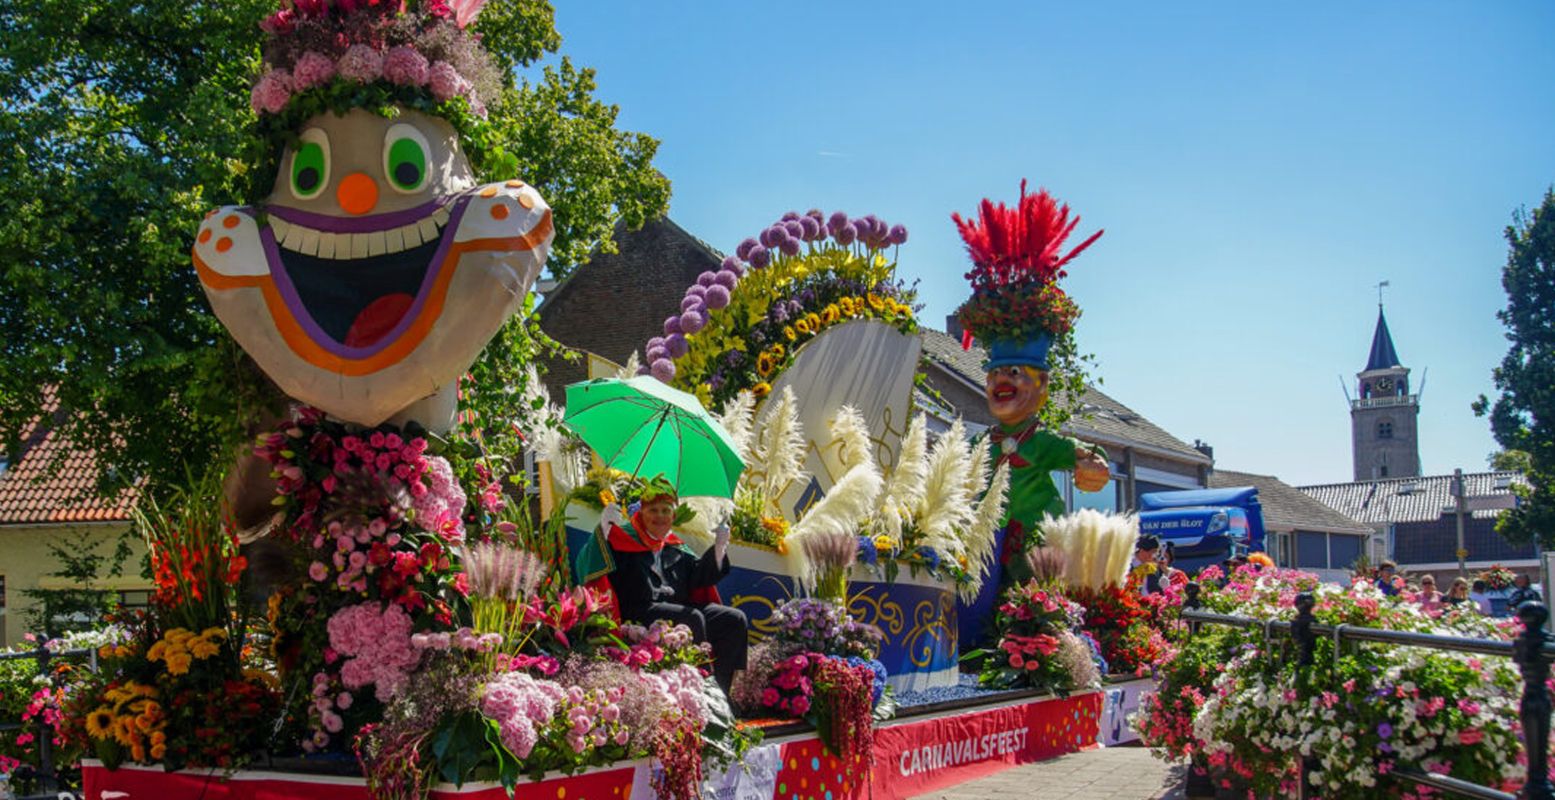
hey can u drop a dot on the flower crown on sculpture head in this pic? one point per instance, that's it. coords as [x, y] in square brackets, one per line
[1017, 307]
[419, 49]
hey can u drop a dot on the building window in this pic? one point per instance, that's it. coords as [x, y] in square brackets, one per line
[1385, 429]
[1382, 471]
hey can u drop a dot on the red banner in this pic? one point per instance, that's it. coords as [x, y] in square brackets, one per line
[139, 783]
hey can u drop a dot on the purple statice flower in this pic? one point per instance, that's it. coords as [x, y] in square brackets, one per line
[898, 234]
[790, 247]
[727, 278]
[807, 297]
[312, 69]
[810, 229]
[676, 345]
[743, 251]
[361, 64]
[716, 382]
[717, 296]
[759, 257]
[692, 321]
[706, 278]
[733, 358]
[663, 369]
[689, 302]
[672, 325]
[779, 312]
[406, 67]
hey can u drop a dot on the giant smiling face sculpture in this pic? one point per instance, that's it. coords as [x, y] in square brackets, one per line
[377, 269]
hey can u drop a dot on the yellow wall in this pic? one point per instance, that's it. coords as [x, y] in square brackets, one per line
[25, 561]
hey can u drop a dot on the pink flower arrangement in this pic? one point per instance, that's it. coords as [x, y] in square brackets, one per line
[406, 67]
[520, 705]
[439, 503]
[272, 92]
[312, 69]
[445, 82]
[376, 640]
[361, 64]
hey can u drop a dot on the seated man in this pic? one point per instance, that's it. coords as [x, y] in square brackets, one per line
[654, 575]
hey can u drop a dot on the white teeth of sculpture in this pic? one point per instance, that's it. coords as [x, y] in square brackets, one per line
[305, 240]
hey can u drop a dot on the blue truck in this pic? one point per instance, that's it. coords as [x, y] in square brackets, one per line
[1204, 526]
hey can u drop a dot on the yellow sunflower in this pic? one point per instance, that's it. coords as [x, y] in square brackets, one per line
[846, 304]
[764, 364]
[884, 543]
[814, 319]
[803, 326]
[790, 333]
[99, 724]
[761, 389]
[777, 352]
[876, 302]
[829, 315]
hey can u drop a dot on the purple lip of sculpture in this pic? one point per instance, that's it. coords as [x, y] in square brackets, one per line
[324, 296]
[376, 222]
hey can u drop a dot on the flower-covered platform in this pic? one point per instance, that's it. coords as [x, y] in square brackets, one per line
[913, 755]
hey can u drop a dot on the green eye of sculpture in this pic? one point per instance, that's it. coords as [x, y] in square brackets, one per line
[310, 165]
[405, 158]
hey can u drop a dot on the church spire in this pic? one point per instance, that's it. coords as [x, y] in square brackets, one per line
[1383, 356]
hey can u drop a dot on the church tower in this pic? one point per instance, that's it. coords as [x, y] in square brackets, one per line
[1384, 416]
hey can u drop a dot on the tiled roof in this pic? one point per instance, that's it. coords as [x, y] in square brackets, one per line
[1416, 499]
[51, 481]
[1100, 414]
[1285, 507]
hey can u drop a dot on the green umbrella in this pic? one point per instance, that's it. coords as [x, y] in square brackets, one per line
[641, 426]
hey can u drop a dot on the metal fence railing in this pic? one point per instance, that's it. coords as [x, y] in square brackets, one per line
[1533, 651]
[46, 772]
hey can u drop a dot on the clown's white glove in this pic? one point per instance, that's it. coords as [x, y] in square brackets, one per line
[720, 541]
[611, 516]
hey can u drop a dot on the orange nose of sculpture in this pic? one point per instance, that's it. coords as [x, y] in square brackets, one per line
[358, 194]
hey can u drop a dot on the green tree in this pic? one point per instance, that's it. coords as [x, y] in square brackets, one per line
[82, 606]
[1523, 416]
[1508, 461]
[122, 123]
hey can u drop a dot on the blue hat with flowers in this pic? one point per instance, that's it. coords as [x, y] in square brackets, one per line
[1019, 352]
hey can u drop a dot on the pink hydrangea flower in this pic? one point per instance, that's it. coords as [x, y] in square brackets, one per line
[406, 67]
[272, 92]
[377, 640]
[312, 69]
[361, 64]
[446, 82]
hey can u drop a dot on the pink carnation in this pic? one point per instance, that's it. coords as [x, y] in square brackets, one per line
[446, 82]
[406, 67]
[272, 92]
[361, 64]
[312, 69]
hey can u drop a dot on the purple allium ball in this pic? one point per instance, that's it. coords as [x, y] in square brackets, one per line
[845, 234]
[406, 67]
[790, 216]
[697, 291]
[795, 229]
[718, 295]
[690, 301]
[737, 269]
[778, 234]
[657, 341]
[760, 257]
[672, 326]
[898, 234]
[726, 278]
[766, 238]
[810, 229]
[729, 262]
[706, 278]
[643, 370]
[817, 215]
[838, 220]
[676, 345]
[655, 353]
[743, 252]
[692, 321]
[664, 370]
[790, 247]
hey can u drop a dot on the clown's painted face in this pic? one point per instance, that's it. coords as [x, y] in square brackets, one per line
[1015, 393]
[377, 269]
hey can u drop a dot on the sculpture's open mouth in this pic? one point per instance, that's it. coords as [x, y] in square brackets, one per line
[356, 283]
[1003, 393]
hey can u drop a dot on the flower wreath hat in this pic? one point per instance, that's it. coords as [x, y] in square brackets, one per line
[1017, 308]
[377, 268]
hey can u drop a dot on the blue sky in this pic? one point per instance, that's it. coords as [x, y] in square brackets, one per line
[1258, 169]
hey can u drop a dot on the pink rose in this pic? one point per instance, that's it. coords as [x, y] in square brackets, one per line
[318, 572]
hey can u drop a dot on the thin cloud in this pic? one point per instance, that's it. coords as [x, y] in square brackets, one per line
[832, 154]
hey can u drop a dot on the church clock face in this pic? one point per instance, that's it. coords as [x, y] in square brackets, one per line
[1384, 384]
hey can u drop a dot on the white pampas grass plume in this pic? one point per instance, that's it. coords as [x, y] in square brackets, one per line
[852, 432]
[946, 505]
[842, 509]
[780, 448]
[738, 416]
[1122, 531]
[1098, 546]
[630, 368]
[977, 466]
[547, 438]
[904, 487]
[985, 524]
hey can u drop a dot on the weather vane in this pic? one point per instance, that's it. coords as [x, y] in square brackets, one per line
[1380, 287]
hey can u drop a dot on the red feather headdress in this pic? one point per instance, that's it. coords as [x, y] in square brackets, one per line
[1020, 245]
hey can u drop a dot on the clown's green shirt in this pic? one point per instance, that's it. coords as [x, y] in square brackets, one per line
[1033, 454]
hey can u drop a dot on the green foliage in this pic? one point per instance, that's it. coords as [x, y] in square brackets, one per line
[1523, 416]
[83, 562]
[1510, 461]
[121, 124]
